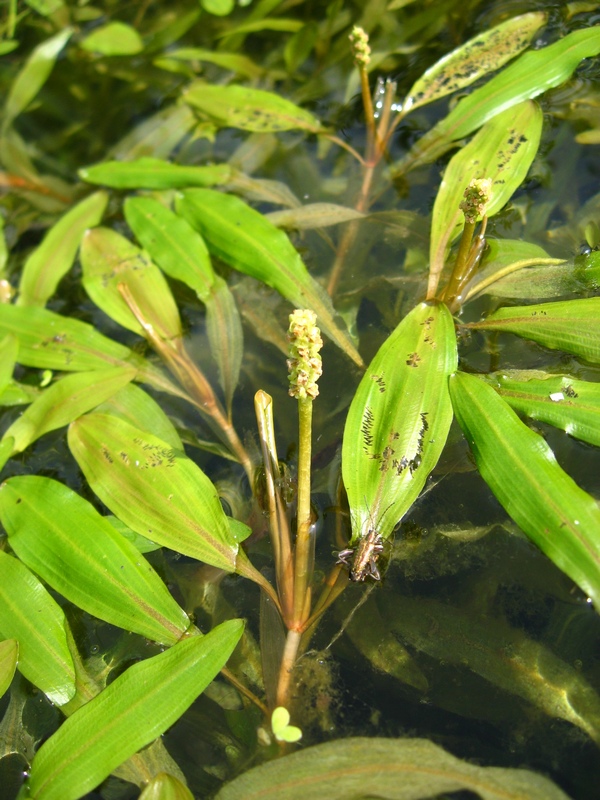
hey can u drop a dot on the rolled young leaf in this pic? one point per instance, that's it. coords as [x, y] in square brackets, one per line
[242, 237]
[155, 489]
[153, 173]
[570, 325]
[132, 711]
[31, 616]
[399, 420]
[62, 538]
[521, 470]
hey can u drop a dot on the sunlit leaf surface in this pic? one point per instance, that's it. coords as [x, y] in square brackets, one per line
[153, 173]
[9, 652]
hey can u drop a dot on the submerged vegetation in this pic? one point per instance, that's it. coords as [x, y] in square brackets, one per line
[179, 179]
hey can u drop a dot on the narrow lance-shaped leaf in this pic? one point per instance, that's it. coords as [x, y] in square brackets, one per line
[136, 708]
[31, 616]
[153, 173]
[225, 336]
[109, 259]
[399, 420]
[521, 470]
[242, 237]
[560, 400]
[502, 151]
[62, 538]
[156, 490]
[528, 76]
[250, 109]
[9, 652]
[571, 325]
[484, 53]
[9, 347]
[54, 257]
[66, 400]
[400, 769]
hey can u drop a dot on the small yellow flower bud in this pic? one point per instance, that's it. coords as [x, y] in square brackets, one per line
[477, 198]
[359, 41]
[304, 363]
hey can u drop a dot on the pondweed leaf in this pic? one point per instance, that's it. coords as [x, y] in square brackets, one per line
[132, 711]
[503, 150]
[66, 400]
[225, 336]
[521, 470]
[113, 39]
[235, 62]
[314, 215]
[153, 173]
[560, 400]
[486, 52]
[400, 769]
[54, 257]
[156, 490]
[157, 136]
[242, 237]
[30, 615]
[33, 76]
[399, 420]
[64, 540]
[570, 325]
[528, 76]
[166, 787]
[109, 259]
[9, 652]
[9, 347]
[249, 109]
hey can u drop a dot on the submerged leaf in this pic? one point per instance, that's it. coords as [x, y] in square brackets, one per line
[242, 237]
[166, 787]
[153, 173]
[399, 420]
[521, 470]
[225, 336]
[132, 711]
[9, 652]
[113, 39]
[63, 539]
[393, 769]
[572, 325]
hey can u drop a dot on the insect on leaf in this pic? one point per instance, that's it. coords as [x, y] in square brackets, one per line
[399, 420]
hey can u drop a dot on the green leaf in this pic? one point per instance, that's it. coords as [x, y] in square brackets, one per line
[527, 77]
[113, 39]
[572, 325]
[153, 488]
[242, 237]
[399, 420]
[156, 136]
[314, 215]
[220, 8]
[66, 400]
[165, 787]
[250, 109]
[31, 616]
[55, 255]
[225, 336]
[235, 62]
[33, 76]
[560, 400]
[153, 173]
[63, 539]
[9, 347]
[521, 470]
[9, 652]
[172, 243]
[108, 260]
[132, 711]
[486, 52]
[503, 150]
[392, 769]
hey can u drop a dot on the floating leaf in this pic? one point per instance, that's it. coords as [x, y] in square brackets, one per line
[63, 539]
[153, 173]
[485, 53]
[399, 420]
[250, 109]
[503, 150]
[33, 76]
[172, 243]
[395, 769]
[560, 400]
[109, 259]
[156, 490]
[572, 325]
[521, 470]
[9, 651]
[531, 74]
[113, 39]
[132, 711]
[282, 730]
[31, 616]
[55, 255]
[166, 787]
[242, 237]
[314, 215]
[66, 400]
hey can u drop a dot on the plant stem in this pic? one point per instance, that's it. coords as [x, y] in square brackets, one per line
[304, 554]
[462, 256]
[290, 652]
